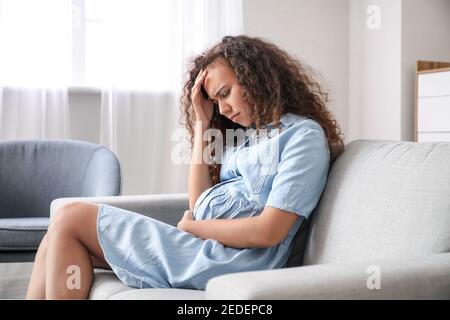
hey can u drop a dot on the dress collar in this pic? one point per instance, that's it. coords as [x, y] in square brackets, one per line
[286, 119]
[289, 118]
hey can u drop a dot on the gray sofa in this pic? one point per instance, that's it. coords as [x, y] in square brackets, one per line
[35, 172]
[380, 231]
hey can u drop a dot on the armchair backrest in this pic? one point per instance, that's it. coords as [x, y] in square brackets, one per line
[35, 172]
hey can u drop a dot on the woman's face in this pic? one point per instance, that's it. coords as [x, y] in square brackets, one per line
[223, 89]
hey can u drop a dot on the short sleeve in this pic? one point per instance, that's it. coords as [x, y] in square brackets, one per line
[302, 172]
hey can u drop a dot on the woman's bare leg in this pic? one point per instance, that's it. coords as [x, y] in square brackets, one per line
[72, 240]
[36, 287]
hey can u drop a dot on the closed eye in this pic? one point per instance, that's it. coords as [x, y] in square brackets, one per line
[223, 95]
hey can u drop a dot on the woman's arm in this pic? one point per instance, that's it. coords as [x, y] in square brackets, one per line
[199, 177]
[263, 231]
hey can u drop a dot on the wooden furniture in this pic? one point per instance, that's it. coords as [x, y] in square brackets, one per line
[432, 114]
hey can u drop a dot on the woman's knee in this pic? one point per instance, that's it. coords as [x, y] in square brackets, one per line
[69, 218]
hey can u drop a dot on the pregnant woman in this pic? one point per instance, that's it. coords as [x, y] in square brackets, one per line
[245, 205]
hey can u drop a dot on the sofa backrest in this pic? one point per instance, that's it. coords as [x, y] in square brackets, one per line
[383, 199]
[35, 172]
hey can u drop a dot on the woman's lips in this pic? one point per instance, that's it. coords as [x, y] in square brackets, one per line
[232, 118]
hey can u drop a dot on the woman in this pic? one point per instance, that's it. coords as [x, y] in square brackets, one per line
[243, 214]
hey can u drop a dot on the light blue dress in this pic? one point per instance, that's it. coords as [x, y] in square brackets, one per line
[289, 173]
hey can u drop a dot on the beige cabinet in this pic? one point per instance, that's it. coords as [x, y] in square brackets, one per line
[432, 101]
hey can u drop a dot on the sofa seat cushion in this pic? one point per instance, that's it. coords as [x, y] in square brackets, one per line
[22, 234]
[159, 294]
[107, 286]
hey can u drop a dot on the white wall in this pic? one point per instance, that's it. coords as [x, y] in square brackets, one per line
[383, 63]
[375, 72]
[316, 32]
[370, 72]
[425, 36]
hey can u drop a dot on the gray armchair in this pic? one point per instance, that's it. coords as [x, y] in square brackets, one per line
[35, 172]
[381, 230]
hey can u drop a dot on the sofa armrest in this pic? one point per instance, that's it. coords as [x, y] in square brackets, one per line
[168, 208]
[426, 277]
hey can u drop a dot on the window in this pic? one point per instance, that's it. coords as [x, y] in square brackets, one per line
[121, 43]
[34, 42]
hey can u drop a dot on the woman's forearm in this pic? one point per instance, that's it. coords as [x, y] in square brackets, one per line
[236, 233]
[199, 177]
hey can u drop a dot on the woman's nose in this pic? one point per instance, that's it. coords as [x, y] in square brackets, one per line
[224, 108]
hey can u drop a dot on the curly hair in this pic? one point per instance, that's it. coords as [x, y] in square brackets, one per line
[273, 83]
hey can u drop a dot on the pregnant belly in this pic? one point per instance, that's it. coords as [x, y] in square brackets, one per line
[225, 202]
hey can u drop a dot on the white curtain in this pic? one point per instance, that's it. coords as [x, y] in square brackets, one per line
[36, 113]
[34, 69]
[131, 53]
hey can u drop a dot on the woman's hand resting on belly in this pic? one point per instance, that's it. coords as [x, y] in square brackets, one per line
[185, 220]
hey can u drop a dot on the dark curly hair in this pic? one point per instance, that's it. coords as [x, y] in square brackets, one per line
[273, 83]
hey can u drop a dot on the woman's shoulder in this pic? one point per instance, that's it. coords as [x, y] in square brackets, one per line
[303, 135]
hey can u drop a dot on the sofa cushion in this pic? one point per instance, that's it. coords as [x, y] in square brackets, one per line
[107, 286]
[383, 199]
[160, 294]
[22, 234]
